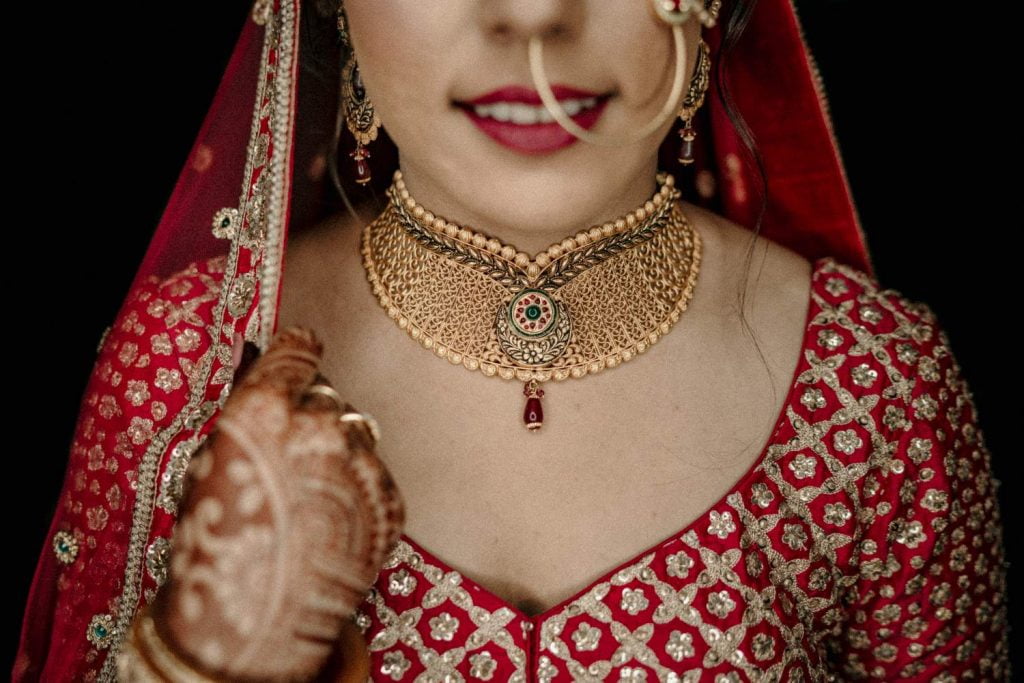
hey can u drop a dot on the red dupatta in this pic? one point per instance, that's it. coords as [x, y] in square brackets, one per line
[254, 174]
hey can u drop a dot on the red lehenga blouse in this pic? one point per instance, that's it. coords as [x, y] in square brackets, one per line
[864, 542]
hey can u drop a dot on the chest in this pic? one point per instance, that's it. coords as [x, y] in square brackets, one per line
[625, 458]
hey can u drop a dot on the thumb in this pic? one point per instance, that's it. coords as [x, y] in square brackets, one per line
[243, 353]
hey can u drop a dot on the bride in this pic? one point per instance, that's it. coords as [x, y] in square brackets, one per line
[691, 432]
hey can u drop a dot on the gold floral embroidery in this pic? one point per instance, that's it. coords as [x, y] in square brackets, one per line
[120, 422]
[65, 546]
[874, 525]
[101, 631]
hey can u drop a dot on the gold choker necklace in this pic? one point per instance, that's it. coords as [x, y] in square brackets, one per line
[584, 304]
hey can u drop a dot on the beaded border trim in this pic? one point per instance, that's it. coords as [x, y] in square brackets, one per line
[273, 88]
[400, 195]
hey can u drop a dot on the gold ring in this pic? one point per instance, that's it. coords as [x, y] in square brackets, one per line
[366, 419]
[325, 390]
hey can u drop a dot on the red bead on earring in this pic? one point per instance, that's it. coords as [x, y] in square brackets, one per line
[361, 154]
[688, 135]
[693, 101]
[360, 117]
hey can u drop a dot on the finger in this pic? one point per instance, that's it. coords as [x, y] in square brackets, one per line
[361, 429]
[320, 396]
[289, 365]
[243, 353]
[350, 659]
[384, 502]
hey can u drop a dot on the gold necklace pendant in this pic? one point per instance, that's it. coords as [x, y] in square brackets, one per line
[533, 328]
[587, 303]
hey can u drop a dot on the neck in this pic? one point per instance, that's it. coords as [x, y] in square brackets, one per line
[532, 235]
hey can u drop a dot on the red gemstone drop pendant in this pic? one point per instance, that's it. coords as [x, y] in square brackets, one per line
[533, 415]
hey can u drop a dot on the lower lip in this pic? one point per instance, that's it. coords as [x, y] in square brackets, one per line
[535, 138]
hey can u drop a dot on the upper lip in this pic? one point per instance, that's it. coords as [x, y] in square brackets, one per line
[518, 93]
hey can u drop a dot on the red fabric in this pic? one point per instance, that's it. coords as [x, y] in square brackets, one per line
[772, 79]
[139, 383]
[165, 364]
[914, 547]
[914, 539]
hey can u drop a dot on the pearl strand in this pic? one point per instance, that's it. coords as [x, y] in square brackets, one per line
[533, 265]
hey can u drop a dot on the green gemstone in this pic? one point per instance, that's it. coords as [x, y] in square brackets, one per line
[101, 632]
[225, 222]
[533, 312]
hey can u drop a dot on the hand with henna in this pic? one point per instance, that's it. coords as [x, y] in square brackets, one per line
[286, 517]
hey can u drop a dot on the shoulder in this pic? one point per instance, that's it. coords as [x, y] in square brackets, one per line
[885, 381]
[739, 249]
[168, 318]
[850, 296]
[861, 316]
[867, 346]
[156, 298]
[105, 551]
[880, 346]
[885, 390]
[161, 334]
[148, 364]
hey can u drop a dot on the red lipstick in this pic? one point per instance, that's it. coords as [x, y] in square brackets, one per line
[533, 138]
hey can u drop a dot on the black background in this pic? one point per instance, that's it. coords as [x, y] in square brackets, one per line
[107, 103]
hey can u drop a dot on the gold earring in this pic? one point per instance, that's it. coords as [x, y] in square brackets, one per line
[693, 101]
[360, 116]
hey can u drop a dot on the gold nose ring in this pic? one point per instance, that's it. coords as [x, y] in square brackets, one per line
[673, 12]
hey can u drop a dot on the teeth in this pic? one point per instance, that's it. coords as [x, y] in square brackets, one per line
[526, 114]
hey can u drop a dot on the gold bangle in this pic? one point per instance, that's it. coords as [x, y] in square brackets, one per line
[146, 658]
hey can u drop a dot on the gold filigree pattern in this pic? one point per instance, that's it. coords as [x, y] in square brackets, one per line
[598, 303]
